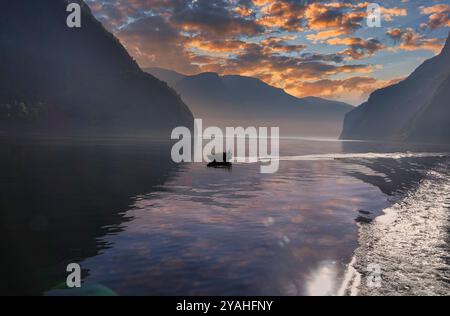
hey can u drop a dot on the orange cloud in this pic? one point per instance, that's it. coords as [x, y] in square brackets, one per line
[409, 40]
[215, 46]
[279, 45]
[439, 16]
[323, 35]
[264, 39]
[321, 16]
[283, 15]
[389, 13]
[261, 3]
[358, 48]
[243, 11]
[351, 90]
[328, 22]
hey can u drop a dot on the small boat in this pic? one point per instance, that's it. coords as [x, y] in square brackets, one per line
[220, 164]
[215, 164]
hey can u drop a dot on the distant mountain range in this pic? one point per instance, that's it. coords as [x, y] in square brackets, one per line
[58, 80]
[245, 101]
[417, 109]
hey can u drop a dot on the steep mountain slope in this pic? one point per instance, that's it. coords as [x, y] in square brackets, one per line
[432, 123]
[242, 101]
[392, 110]
[169, 76]
[58, 80]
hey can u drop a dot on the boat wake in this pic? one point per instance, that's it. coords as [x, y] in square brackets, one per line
[344, 156]
[409, 243]
[396, 155]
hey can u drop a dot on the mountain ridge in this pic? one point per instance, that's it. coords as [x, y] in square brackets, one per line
[54, 79]
[398, 107]
[241, 100]
[172, 77]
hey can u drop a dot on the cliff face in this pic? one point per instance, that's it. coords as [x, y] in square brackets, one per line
[392, 112]
[58, 79]
[432, 123]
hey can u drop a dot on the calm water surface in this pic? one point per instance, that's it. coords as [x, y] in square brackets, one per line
[140, 225]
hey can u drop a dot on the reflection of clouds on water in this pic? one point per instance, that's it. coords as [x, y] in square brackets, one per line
[239, 232]
[149, 227]
[323, 280]
[209, 232]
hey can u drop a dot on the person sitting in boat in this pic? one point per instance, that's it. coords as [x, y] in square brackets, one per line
[223, 164]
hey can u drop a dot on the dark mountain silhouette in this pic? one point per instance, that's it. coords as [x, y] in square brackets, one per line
[61, 80]
[166, 75]
[415, 109]
[241, 101]
[432, 124]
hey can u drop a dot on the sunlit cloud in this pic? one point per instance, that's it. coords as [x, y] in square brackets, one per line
[439, 16]
[357, 48]
[350, 90]
[300, 46]
[409, 40]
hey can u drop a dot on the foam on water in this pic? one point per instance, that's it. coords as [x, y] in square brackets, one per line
[409, 242]
[340, 156]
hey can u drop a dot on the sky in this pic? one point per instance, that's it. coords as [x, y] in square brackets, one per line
[308, 48]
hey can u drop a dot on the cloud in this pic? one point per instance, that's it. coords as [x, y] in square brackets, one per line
[215, 46]
[256, 60]
[280, 45]
[352, 90]
[409, 40]
[323, 35]
[291, 44]
[358, 48]
[153, 41]
[281, 14]
[243, 11]
[438, 16]
[214, 18]
[342, 18]
[388, 14]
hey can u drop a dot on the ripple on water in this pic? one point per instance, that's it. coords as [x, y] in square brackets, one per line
[409, 242]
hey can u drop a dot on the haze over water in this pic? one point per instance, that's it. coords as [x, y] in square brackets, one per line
[140, 225]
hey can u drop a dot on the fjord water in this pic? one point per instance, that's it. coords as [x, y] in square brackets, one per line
[139, 224]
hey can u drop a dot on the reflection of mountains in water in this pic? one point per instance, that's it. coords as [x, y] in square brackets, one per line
[57, 200]
[397, 176]
[398, 168]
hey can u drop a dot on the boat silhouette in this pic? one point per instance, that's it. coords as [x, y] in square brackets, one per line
[220, 164]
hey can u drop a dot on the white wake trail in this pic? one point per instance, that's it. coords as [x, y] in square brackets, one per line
[342, 156]
[409, 242]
